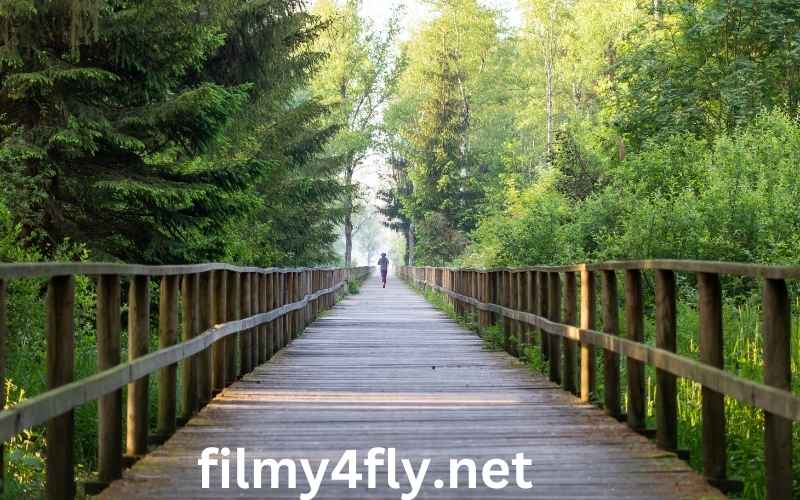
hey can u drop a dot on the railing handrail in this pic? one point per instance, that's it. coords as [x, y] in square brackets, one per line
[266, 307]
[778, 401]
[43, 407]
[51, 269]
[519, 298]
[766, 271]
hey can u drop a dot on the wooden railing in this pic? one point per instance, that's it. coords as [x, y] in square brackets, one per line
[233, 318]
[546, 298]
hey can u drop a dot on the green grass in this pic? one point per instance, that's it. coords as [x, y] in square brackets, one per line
[744, 351]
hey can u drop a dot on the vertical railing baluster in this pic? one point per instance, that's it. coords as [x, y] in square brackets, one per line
[167, 336]
[507, 322]
[634, 329]
[533, 307]
[588, 322]
[109, 407]
[516, 298]
[245, 338]
[611, 394]
[220, 317]
[287, 294]
[189, 367]
[138, 335]
[278, 302]
[486, 298]
[522, 305]
[205, 318]
[231, 341]
[666, 383]
[263, 348]
[777, 326]
[554, 315]
[570, 318]
[269, 305]
[283, 281]
[60, 468]
[543, 311]
[711, 352]
[255, 341]
[494, 295]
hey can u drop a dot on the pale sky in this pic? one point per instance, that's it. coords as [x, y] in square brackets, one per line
[416, 12]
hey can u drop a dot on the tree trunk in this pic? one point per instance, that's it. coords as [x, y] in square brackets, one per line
[348, 215]
[410, 243]
[348, 236]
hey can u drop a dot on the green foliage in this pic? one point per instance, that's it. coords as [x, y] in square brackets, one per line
[630, 130]
[104, 150]
[706, 67]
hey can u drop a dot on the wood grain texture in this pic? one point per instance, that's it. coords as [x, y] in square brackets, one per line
[385, 369]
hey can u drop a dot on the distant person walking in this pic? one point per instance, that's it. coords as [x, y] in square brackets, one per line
[384, 263]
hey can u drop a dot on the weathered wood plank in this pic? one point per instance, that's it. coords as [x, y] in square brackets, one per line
[386, 369]
[60, 467]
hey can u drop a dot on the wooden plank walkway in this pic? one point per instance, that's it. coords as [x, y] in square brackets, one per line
[384, 368]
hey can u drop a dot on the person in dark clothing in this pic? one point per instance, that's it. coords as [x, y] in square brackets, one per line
[384, 263]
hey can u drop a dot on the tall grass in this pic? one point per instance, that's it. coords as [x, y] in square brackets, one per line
[744, 354]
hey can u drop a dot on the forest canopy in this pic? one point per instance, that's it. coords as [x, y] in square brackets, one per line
[598, 129]
[181, 131]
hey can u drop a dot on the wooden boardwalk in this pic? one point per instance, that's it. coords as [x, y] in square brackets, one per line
[384, 368]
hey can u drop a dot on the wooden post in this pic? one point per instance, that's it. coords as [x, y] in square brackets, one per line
[509, 324]
[189, 368]
[777, 328]
[220, 317]
[516, 326]
[233, 284]
[494, 287]
[255, 345]
[666, 383]
[205, 322]
[109, 407]
[543, 311]
[486, 298]
[138, 334]
[263, 348]
[268, 306]
[711, 345]
[277, 325]
[533, 304]
[3, 341]
[554, 314]
[288, 299]
[522, 305]
[60, 469]
[634, 326]
[512, 304]
[297, 316]
[282, 322]
[610, 359]
[588, 322]
[245, 339]
[570, 318]
[167, 336]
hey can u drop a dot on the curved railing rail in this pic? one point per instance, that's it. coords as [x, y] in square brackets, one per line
[521, 298]
[232, 318]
